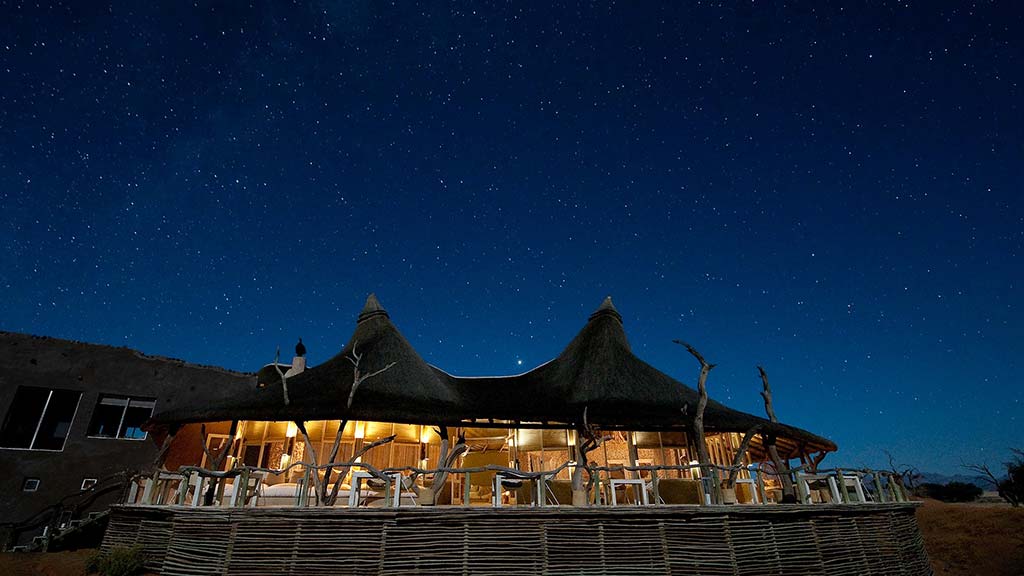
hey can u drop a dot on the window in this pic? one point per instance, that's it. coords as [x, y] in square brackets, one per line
[88, 483]
[39, 418]
[30, 485]
[121, 417]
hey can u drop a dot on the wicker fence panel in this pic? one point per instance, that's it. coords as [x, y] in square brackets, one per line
[425, 547]
[631, 546]
[199, 545]
[152, 533]
[497, 549]
[699, 546]
[704, 541]
[912, 554]
[797, 549]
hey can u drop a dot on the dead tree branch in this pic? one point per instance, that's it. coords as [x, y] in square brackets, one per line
[446, 459]
[357, 377]
[587, 440]
[284, 379]
[312, 454]
[737, 461]
[218, 460]
[906, 476]
[344, 467]
[698, 420]
[788, 490]
[331, 459]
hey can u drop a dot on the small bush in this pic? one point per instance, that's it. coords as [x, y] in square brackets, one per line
[1012, 488]
[952, 492]
[119, 561]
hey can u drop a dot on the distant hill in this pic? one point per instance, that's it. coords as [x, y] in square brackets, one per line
[935, 478]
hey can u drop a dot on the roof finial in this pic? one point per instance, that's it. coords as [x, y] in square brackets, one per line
[371, 308]
[607, 309]
[300, 348]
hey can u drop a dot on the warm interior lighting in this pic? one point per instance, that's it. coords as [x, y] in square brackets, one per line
[285, 459]
[291, 431]
[425, 436]
[360, 431]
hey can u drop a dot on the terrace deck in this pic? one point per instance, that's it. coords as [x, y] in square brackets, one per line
[665, 540]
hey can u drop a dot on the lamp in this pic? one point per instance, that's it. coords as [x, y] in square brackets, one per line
[291, 431]
[285, 459]
[360, 431]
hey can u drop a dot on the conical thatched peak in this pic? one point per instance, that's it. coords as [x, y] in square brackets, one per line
[371, 308]
[607, 309]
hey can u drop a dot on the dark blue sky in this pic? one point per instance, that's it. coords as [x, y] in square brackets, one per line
[834, 192]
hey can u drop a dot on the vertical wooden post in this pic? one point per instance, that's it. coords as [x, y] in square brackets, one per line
[842, 486]
[303, 499]
[186, 480]
[466, 486]
[801, 490]
[165, 447]
[147, 492]
[241, 488]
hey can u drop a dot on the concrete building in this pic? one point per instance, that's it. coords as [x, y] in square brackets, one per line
[71, 417]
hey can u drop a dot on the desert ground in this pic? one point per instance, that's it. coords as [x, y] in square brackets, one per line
[962, 540]
[973, 539]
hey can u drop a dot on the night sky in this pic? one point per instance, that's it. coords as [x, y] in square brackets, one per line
[832, 192]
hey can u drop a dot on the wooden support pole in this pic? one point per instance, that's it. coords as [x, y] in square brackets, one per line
[242, 488]
[842, 485]
[186, 480]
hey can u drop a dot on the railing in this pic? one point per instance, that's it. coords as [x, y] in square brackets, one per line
[840, 485]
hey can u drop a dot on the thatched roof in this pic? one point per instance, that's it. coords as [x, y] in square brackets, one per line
[410, 387]
[596, 372]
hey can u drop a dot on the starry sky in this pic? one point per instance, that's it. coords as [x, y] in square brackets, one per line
[834, 192]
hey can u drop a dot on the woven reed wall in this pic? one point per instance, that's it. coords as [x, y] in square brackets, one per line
[854, 540]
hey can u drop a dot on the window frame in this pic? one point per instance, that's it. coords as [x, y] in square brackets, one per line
[42, 416]
[25, 482]
[124, 411]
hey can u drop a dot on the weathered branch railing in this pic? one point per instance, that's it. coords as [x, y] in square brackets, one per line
[843, 485]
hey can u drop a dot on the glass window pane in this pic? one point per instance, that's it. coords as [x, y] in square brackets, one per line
[135, 416]
[23, 417]
[57, 420]
[107, 416]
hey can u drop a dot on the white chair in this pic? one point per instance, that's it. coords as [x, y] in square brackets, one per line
[250, 493]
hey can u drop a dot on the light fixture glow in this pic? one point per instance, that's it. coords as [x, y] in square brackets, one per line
[360, 431]
[292, 430]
